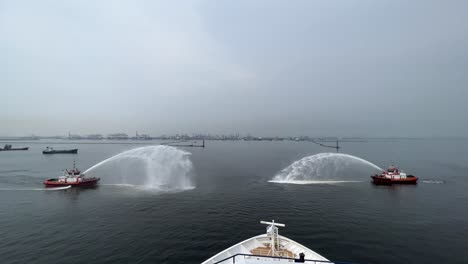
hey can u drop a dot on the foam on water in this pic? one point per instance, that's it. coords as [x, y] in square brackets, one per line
[37, 189]
[163, 168]
[143, 188]
[119, 184]
[312, 182]
[325, 168]
[433, 181]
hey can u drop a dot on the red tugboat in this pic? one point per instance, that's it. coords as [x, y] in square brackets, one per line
[393, 175]
[73, 178]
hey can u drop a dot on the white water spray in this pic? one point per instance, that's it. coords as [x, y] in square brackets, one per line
[154, 167]
[325, 168]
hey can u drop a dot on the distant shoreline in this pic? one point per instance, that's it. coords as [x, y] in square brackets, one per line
[159, 141]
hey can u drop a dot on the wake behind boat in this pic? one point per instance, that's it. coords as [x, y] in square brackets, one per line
[393, 175]
[73, 178]
[8, 147]
[50, 150]
[267, 249]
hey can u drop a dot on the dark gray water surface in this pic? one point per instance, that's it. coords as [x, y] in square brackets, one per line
[358, 222]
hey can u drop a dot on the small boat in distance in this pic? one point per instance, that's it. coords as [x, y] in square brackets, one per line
[393, 176]
[73, 178]
[50, 150]
[269, 248]
[8, 147]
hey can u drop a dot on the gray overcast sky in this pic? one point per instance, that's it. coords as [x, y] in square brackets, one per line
[346, 68]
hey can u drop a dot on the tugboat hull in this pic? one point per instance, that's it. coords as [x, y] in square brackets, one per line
[393, 176]
[382, 180]
[82, 183]
[72, 178]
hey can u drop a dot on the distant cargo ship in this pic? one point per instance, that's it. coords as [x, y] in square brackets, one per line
[50, 150]
[8, 147]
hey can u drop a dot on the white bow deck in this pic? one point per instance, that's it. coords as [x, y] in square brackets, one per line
[254, 248]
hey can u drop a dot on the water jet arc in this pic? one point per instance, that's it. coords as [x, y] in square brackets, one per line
[153, 167]
[325, 168]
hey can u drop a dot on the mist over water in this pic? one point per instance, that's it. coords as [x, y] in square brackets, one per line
[326, 168]
[163, 168]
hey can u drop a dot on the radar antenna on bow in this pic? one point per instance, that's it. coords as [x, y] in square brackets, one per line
[272, 232]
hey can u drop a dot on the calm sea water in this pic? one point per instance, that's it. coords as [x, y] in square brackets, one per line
[357, 222]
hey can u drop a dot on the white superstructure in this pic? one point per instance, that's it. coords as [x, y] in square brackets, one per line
[267, 248]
